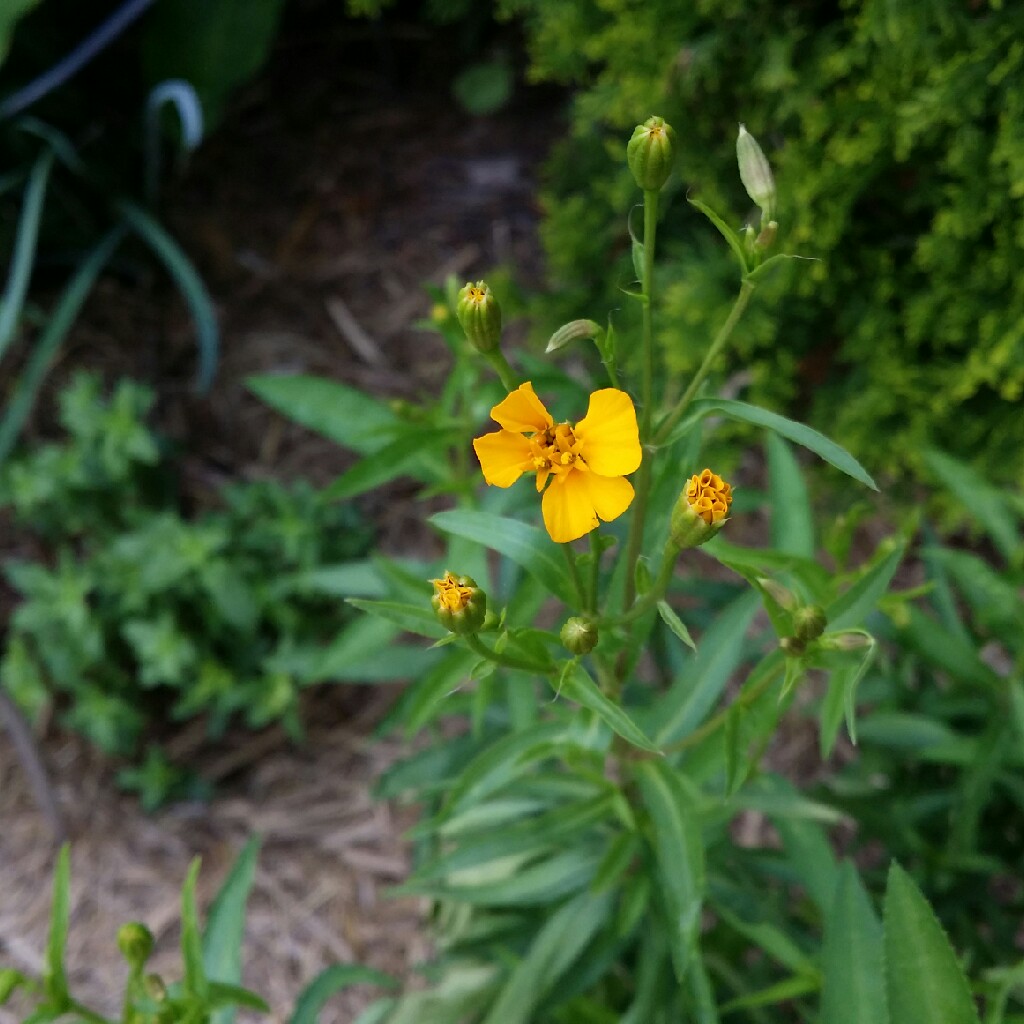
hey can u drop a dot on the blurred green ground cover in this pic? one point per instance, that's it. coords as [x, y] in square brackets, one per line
[135, 613]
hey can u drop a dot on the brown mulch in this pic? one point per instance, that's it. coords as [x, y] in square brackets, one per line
[329, 853]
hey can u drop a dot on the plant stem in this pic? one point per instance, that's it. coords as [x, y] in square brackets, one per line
[643, 479]
[501, 367]
[595, 571]
[667, 425]
[658, 590]
[574, 573]
[505, 660]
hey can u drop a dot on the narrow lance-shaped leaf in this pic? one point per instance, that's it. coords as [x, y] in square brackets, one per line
[56, 981]
[923, 979]
[329, 982]
[195, 983]
[576, 684]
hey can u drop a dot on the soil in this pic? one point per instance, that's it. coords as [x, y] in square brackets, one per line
[335, 189]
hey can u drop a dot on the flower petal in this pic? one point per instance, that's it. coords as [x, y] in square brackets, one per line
[504, 457]
[608, 435]
[522, 411]
[609, 495]
[567, 508]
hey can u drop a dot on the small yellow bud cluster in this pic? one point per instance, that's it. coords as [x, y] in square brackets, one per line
[459, 604]
[700, 511]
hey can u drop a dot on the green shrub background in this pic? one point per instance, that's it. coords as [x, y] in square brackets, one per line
[894, 131]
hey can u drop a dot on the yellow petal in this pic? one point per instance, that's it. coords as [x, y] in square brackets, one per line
[567, 508]
[522, 411]
[608, 436]
[504, 457]
[610, 496]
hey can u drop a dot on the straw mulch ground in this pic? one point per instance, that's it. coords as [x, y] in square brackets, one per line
[329, 854]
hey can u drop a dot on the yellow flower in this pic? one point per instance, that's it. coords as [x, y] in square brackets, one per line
[586, 463]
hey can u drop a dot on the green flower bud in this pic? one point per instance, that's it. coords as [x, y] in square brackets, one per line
[756, 174]
[480, 316]
[155, 987]
[783, 596]
[792, 646]
[809, 623]
[651, 152]
[135, 942]
[579, 636]
[460, 605]
[850, 640]
[10, 979]
[700, 511]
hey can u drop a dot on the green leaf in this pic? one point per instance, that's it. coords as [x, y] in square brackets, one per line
[224, 998]
[924, 980]
[984, 502]
[525, 545]
[24, 255]
[56, 981]
[854, 989]
[852, 607]
[679, 856]
[695, 693]
[410, 617]
[430, 690]
[792, 522]
[558, 945]
[225, 927]
[575, 684]
[726, 232]
[189, 283]
[45, 348]
[669, 617]
[330, 981]
[402, 457]
[799, 434]
[194, 982]
[341, 413]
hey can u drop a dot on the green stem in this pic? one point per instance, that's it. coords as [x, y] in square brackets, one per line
[667, 425]
[595, 571]
[85, 1013]
[643, 478]
[650, 234]
[658, 590]
[501, 367]
[574, 573]
[505, 660]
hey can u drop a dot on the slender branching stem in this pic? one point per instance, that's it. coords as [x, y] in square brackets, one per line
[505, 659]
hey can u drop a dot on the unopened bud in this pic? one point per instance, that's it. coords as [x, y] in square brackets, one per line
[767, 235]
[809, 623]
[792, 646]
[135, 942]
[460, 605]
[756, 174]
[853, 640]
[155, 987]
[651, 153]
[579, 636]
[700, 511]
[782, 596]
[480, 316]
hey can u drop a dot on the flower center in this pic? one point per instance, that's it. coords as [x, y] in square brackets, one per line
[453, 597]
[709, 496]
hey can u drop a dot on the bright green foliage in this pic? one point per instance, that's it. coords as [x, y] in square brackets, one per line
[894, 133]
[137, 612]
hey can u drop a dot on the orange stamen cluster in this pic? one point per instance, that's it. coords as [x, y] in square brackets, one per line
[709, 496]
[451, 595]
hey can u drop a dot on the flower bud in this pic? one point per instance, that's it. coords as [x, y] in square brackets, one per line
[460, 605]
[700, 511]
[756, 174]
[135, 942]
[782, 596]
[579, 636]
[155, 988]
[809, 623]
[850, 640]
[650, 153]
[479, 315]
[792, 646]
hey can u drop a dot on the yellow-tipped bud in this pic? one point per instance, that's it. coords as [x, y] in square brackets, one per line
[479, 315]
[756, 175]
[135, 942]
[460, 605]
[651, 152]
[700, 511]
[579, 636]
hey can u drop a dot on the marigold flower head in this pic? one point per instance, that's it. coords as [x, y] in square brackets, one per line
[585, 464]
[701, 510]
[460, 605]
